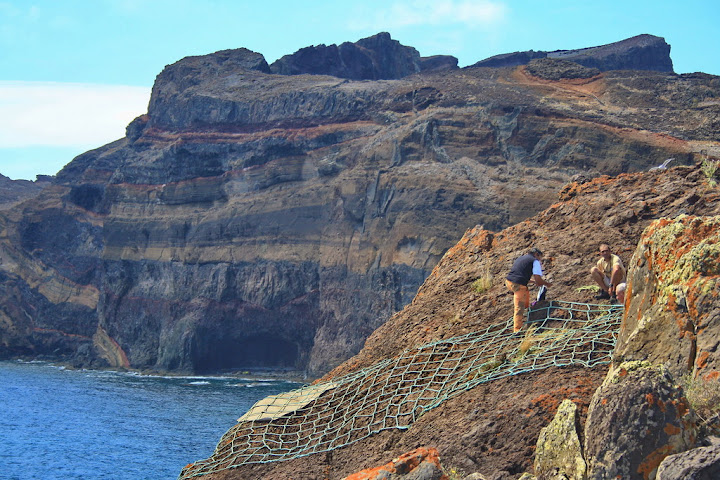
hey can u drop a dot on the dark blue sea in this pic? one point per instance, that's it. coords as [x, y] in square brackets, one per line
[64, 424]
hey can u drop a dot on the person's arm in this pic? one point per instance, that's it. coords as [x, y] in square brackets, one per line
[540, 281]
[618, 262]
[537, 275]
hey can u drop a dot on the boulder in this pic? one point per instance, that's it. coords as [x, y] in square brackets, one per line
[672, 315]
[636, 418]
[701, 463]
[559, 452]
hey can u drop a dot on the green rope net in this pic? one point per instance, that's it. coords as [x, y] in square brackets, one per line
[395, 392]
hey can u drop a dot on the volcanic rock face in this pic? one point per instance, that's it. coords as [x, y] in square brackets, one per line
[373, 58]
[259, 220]
[643, 52]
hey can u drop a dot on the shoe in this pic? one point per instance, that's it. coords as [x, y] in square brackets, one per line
[602, 296]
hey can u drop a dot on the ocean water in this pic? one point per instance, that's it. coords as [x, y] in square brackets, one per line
[65, 424]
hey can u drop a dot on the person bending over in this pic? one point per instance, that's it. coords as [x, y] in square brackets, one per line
[525, 268]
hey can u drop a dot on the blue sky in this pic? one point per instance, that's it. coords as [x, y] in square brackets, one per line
[74, 73]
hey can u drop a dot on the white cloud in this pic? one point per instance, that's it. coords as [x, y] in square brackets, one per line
[439, 12]
[67, 114]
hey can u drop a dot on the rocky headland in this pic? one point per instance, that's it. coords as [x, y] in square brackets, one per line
[258, 220]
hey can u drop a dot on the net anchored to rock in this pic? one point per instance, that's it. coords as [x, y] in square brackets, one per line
[394, 393]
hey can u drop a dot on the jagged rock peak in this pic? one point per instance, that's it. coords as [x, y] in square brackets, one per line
[642, 52]
[373, 58]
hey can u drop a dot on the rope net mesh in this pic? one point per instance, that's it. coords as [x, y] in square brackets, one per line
[395, 392]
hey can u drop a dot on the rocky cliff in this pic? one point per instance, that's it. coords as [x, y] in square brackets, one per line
[257, 220]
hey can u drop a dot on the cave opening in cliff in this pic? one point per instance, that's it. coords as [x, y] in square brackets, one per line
[262, 351]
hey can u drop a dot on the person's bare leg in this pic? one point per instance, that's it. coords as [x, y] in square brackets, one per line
[599, 278]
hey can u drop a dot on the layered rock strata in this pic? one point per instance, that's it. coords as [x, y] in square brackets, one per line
[13, 192]
[255, 220]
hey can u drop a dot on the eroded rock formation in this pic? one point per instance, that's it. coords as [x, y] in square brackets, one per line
[13, 192]
[255, 220]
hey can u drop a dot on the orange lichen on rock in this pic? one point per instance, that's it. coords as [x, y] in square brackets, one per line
[404, 464]
[475, 240]
[675, 278]
[682, 407]
[702, 360]
[652, 461]
[549, 403]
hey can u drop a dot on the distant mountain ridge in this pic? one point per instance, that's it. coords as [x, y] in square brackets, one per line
[380, 57]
